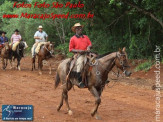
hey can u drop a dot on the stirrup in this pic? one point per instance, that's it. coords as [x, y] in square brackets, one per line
[81, 85]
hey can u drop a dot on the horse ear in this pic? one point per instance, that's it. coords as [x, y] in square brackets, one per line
[124, 49]
[120, 50]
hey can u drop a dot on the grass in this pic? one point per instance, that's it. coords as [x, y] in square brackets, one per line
[144, 66]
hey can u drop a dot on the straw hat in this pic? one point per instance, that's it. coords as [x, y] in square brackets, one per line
[40, 26]
[76, 25]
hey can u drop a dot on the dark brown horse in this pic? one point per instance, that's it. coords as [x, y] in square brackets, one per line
[96, 79]
[44, 53]
[5, 55]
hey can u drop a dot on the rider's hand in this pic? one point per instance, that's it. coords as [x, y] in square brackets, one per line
[88, 49]
[41, 38]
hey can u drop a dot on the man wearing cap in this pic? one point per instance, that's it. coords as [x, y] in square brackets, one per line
[3, 39]
[15, 39]
[78, 45]
[40, 36]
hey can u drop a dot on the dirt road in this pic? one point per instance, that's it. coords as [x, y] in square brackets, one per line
[121, 103]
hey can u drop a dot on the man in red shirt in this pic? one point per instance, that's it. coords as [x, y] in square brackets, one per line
[78, 45]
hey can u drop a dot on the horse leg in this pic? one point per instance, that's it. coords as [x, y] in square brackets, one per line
[3, 63]
[40, 65]
[65, 97]
[11, 63]
[50, 69]
[33, 63]
[6, 63]
[18, 63]
[95, 93]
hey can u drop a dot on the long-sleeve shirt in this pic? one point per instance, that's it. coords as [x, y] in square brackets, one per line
[3, 40]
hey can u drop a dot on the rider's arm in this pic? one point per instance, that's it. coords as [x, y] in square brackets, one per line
[89, 43]
[36, 36]
[46, 38]
[77, 51]
[11, 39]
[20, 38]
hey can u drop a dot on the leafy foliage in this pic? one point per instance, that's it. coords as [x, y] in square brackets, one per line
[144, 66]
[115, 25]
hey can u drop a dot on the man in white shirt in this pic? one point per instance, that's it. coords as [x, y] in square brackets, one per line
[40, 36]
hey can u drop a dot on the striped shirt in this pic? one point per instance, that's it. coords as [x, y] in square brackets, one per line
[16, 38]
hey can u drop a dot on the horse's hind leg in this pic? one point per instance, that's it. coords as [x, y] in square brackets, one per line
[65, 97]
[61, 103]
[96, 94]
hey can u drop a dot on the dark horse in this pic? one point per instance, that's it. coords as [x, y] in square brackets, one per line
[96, 79]
[18, 53]
[45, 53]
[5, 55]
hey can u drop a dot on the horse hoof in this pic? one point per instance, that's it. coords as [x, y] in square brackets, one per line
[70, 112]
[97, 117]
[19, 68]
[40, 73]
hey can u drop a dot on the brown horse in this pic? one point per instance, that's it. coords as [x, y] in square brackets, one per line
[96, 79]
[5, 55]
[44, 53]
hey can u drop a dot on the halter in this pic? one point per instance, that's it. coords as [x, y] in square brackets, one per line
[121, 62]
[48, 50]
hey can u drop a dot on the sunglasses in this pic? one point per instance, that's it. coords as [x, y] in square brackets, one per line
[78, 28]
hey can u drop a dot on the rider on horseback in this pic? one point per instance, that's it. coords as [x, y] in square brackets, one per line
[15, 39]
[3, 39]
[78, 45]
[40, 37]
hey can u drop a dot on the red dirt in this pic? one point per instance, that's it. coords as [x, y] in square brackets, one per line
[121, 103]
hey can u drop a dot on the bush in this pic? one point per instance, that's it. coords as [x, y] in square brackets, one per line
[64, 49]
[144, 66]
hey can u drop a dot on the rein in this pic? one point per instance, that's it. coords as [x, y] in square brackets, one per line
[48, 50]
[96, 63]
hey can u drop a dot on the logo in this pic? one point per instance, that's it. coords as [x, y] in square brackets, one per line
[17, 112]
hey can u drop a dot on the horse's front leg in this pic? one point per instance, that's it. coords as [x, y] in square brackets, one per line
[6, 63]
[40, 65]
[33, 63]
[11, 63]
[50, 68]
[96, 94]
[18, 64]
[3, 63]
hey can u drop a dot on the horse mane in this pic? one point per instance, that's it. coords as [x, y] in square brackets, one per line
[102, 55]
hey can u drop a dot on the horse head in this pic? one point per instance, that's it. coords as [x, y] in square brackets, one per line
[50, 48]
[7, 46]
[122, 61]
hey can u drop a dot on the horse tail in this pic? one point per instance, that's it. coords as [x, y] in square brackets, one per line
[57, 80]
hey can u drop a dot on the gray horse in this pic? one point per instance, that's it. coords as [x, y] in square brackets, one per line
[96, 79]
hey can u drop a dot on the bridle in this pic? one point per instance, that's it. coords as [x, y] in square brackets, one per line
[122, 61]
[50, 51]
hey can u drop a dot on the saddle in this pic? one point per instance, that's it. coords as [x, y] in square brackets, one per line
[85, 73]
[39, 46]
